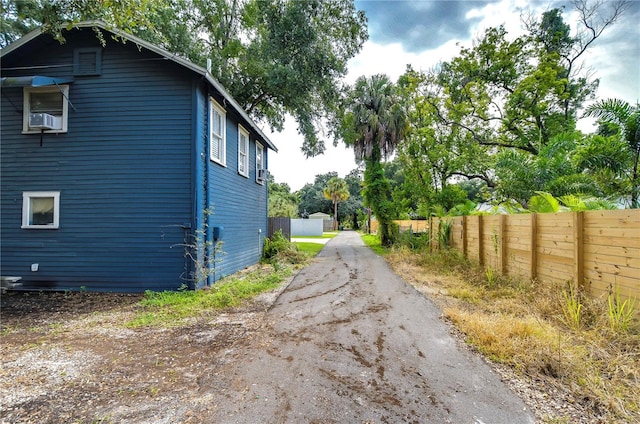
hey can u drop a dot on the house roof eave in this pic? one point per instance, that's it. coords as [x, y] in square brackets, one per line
[25, 39]
[162, 52]
[187, 64]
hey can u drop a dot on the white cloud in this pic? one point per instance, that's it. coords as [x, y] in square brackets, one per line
[290, 165]
[506, 13]
[392, 59]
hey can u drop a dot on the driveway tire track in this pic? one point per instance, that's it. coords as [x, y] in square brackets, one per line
[350, 342]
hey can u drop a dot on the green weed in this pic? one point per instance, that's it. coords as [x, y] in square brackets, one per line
[173, 307]
[373, 241]
[572, 308]
[491, 277]
[278, 248]
[620, 313]
[414, 241]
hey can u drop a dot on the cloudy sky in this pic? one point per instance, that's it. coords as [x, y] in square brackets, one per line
[425, 32]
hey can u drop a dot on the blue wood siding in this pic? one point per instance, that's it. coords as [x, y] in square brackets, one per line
[239, 206]
[124, 171]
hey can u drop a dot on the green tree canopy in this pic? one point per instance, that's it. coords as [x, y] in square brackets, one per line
[435, 155]
[281, 201]
[277, 58]
[619, 154]
[504, 112]
[19, 17]
[312, 198]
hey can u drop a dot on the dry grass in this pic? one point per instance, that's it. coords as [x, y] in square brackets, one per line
[524, 325]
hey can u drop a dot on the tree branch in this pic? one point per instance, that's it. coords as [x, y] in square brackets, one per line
[489, 181]
[481, 140]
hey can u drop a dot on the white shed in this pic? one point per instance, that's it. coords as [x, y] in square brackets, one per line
[319, 215]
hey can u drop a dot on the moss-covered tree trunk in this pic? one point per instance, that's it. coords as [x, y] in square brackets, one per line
[377, 193]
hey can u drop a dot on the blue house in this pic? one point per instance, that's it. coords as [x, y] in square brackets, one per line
[124, 167]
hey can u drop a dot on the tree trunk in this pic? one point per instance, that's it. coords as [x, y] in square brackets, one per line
[377, 193]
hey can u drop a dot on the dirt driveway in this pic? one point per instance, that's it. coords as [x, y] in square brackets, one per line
[347, 342]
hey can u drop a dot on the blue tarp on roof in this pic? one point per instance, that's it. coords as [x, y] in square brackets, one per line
[34, 81]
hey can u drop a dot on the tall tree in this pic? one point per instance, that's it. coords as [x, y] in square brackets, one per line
[312, 198]
[555, 44]
[498, 111]
[337, 191]
[622, 158]
[296, 61]
[435, 155]
[374, 123]
[277, 57]
[352, 209]
[519, 94]
[281, 201]
[18, 17]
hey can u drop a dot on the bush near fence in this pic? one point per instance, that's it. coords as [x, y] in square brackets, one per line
[600, 250]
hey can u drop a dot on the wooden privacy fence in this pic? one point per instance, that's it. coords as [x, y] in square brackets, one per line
[417, 226]
[279, 223]
[600, 250]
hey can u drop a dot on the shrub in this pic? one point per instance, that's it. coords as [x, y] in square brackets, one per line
[278, 248]
[414, 241]
[275, 245]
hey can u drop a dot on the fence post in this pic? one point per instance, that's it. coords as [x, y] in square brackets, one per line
[480, 242]
[430, 234]
[464, 236]
[578, 248]
[503, 244]
[534, 247]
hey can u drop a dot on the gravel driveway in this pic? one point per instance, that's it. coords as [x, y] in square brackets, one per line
[350, 342]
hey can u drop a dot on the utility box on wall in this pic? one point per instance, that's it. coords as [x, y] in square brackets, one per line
[217, 233]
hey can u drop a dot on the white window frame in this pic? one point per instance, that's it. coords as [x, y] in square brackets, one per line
[215, 108]
[260, 155]
[64, 118]
[243, 151]
[27, 213]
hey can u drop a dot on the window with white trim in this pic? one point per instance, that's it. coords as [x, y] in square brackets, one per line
[217, 137]
[41, 210]
[261, 173]
[243, 151]
[45, 109]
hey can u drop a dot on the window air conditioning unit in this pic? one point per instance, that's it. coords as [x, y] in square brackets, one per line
[262, 174]
[43, 121]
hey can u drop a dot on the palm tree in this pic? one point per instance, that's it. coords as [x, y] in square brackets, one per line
[543, 202]
[626, 118]
[374, 123]
[337, 191]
